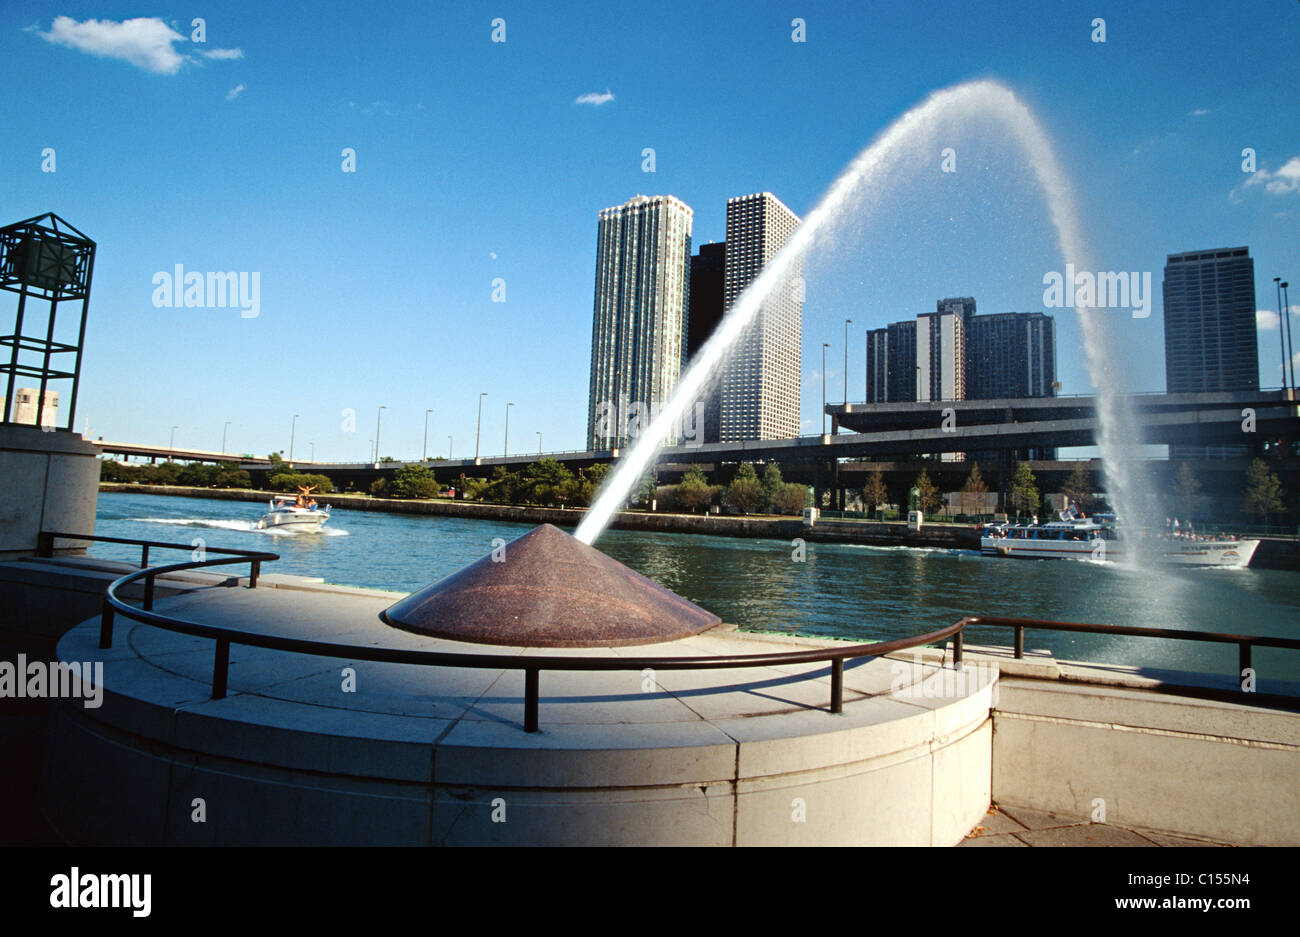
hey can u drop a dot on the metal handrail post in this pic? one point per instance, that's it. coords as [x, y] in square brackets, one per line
[220, 668]
[531, 693]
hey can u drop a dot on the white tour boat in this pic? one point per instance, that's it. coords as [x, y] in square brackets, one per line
[301, 513]
[1081, 538]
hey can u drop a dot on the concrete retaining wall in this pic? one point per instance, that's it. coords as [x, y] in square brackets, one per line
[1220, 771]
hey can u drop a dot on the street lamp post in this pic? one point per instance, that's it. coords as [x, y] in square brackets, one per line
[379, 416]
[506, 452]
[479, 425]
[847, 323]
[1286, 312]
[539, 444]
[424, 453]
[172, 445]
[293, 429]
[1281, 338]
[223, 436]
[825, 345]
[449, 446]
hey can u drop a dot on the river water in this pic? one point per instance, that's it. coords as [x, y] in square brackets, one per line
[857, 592]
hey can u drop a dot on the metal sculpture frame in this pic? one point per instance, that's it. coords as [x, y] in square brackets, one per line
[44, 259]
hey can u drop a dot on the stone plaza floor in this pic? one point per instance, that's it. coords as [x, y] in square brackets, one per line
[1006, 825]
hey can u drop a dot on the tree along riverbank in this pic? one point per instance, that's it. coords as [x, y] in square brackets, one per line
[871, 533]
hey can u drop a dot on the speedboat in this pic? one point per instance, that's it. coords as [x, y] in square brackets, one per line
[1098, 538]
[286, 512]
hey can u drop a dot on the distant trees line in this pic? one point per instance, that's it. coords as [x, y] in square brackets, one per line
[547, 482]
[1262, 496]
[193, 474]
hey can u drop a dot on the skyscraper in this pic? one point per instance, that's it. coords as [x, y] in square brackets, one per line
[708, 277]
[761, 380]
[641, 316]
[1210, 342]
[941, 356]
[1010, 354]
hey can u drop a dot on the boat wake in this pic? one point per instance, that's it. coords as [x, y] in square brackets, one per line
[240, 525]
[198, 522]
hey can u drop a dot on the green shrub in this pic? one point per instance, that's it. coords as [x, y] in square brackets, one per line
[292, 481]
[413, 481]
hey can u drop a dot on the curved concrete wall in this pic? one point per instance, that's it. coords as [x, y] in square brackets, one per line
[889, 771]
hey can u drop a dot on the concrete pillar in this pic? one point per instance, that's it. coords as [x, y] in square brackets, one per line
[51, 483]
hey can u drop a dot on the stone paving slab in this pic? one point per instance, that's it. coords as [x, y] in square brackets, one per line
[998, 822]
[1084, 834]
[1023, 826]
[1040, 819]
[1000, 839]
[1169, 839]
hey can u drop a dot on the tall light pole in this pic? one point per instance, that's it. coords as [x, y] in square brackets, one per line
[507, 449]
[825, 345]
[1286, 312]
[479, 426]
[1281, 338]
[223, 436]
[424, 453]
[293, 429]
[172, 445]
[539, 444]
[449, 446]
[379, 416]
[847, 323]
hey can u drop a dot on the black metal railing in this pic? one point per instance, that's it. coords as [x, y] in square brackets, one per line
[45, 547]
[1245, 642]
[532, 666]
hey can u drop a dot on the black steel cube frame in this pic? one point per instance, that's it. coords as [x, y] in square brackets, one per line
[44, 259]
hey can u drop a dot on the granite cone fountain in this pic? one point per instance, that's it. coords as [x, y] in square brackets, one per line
[548, 589]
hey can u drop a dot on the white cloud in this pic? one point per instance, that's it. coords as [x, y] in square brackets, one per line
[1267, 320]
[234, 92]
[144, 42]
[595, 98]
[1199, 112]
[1283, 182]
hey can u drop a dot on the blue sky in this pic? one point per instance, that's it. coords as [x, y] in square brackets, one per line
[475, 161]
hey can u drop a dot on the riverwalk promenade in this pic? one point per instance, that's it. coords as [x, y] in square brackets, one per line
[315, 750]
